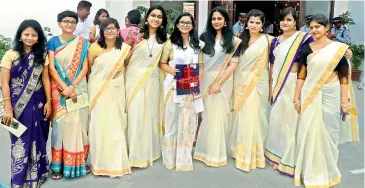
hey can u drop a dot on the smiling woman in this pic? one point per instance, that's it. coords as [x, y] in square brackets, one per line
[68, 52]
[181, 106]
[27, 97]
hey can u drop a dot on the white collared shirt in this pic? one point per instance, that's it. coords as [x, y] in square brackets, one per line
[83, 29]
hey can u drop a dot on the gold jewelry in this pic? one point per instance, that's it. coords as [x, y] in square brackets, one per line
[6, 98]
[220, 82]
[296, 102]
[345, 105]
[50, 98]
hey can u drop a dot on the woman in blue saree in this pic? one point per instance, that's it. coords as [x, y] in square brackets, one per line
[26, 93]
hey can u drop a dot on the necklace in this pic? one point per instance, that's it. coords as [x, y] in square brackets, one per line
[150, 49]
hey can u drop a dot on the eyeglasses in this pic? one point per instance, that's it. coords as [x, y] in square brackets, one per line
[159, 17]
[188, 23]
[110, 29]
[68, 22]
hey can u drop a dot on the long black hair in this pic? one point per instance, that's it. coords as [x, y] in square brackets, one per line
[38, 49]
[161, 35]
[100, 12]
[104, 24]
[176, 37]
[245, 35]
[208, 36]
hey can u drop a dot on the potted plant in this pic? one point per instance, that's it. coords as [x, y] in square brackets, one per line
[356, 60]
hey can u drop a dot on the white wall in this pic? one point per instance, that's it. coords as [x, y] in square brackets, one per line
[120, 8]
[12, 14]
[203, 15]
[357, 12]
[315, 7]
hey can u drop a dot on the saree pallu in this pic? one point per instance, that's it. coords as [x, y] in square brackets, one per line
[29, 161]
[108, 121]
[70, 143]
[180, 117]
[211, 142]
[283, 120]
[143, 104]
[319, 126]
[250, 121]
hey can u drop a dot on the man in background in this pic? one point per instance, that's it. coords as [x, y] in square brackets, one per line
[240, 25]
[83, 26]
[339, 32]
[305, 28]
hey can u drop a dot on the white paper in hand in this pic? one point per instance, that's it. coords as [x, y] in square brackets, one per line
[82, 102]
[16, 129]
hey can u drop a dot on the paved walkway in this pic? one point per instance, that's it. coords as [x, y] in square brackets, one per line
[351, 158]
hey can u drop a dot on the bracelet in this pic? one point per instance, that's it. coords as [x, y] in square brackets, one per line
[50, 98]
[345, 105]
[73, 85]
[220, 82]
[6, 98]
[296, 102]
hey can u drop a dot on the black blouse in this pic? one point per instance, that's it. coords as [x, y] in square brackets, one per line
[342, 67]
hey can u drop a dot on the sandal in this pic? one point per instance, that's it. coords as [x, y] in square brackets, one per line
[57, 176]
[88, 170]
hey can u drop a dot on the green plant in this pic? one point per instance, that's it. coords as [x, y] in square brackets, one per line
[142, 10]
[347, 19]
[172, 14]
[47, 31]
[357, 55]
[5, 45]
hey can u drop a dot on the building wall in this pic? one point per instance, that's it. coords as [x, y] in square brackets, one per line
[15, 11]
[314, 7]
[203, 15]
[357, 31]
[120, 8]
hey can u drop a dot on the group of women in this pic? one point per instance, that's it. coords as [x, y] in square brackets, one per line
[116, 103]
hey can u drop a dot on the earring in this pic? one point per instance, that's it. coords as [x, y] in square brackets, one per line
[246, 27]
[225, 24]
[161, 27]
[261, 30]
[146, 23]
[20, 40]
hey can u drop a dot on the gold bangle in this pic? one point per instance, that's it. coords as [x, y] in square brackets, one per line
[49, 98]
[6, 98]
[345, 105]
[220, 82]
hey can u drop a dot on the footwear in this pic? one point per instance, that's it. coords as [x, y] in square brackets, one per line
[88, 170]
[57, 176]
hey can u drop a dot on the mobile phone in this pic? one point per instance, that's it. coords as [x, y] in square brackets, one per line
[344, 117]
[13, 125]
